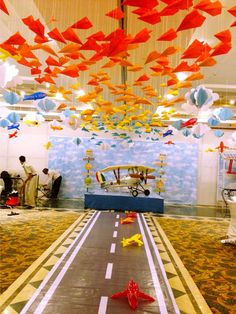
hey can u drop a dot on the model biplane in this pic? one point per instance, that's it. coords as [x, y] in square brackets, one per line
[134, 179]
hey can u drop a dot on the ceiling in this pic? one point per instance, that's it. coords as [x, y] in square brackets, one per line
[221, 77]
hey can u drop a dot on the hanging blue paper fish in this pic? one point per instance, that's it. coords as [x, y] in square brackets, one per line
[14, 126]
[35, 96]
[11, 98]
[169, 132]
[13, 117]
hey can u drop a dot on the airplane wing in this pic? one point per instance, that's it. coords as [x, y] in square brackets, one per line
[132, 167]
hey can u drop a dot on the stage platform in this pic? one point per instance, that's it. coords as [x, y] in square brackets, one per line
[107, 201]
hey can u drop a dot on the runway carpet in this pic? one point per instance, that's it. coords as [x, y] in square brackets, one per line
[211, 264]
[25, 237]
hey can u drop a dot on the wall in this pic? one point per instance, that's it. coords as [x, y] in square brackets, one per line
[30, 142]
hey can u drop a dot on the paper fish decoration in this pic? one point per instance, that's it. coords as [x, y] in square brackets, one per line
[35, 96]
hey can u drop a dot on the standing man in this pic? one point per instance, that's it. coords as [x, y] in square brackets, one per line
[30, 183]
[54, 178]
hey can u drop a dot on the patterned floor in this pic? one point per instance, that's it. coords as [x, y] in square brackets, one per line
[210, 264]
[189, 281]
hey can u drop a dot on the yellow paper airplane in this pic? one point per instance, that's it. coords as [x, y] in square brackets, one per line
[134, 240]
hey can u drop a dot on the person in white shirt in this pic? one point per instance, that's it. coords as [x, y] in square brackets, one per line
[54, 179]
[30, 183]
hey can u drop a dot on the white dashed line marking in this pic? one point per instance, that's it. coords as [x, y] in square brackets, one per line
[115, 234]
[113, 248]
[109, 271]
[103, 305]
[116, 223]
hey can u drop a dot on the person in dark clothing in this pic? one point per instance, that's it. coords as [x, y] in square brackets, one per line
[7, 182]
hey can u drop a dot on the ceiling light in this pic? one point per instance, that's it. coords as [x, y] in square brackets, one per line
[80, 92]
[181, 76]
[59, 96]
[169, 96]
[47, 85]
[232, 102]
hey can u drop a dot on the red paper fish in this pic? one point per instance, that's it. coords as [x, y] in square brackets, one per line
[84, 23]
[192, 20]
[167, 36]
[3, 7]
[116, 14]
